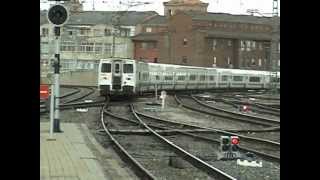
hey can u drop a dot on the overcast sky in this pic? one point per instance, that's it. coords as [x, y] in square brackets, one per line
[225, 6]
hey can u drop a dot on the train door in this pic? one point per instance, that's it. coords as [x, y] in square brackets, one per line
[116, 75]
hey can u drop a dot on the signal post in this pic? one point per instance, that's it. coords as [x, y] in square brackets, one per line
[57, 15]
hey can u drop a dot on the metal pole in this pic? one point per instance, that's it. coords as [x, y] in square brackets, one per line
[56, 82]
[156, 89]
[51, 110]
[114, 42]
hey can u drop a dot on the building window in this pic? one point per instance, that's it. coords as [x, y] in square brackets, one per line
[107, 32]
[170, 12]
[107, 48]
[214, 44]
[84, 32]
[260, 46]
[124, 32]
[98, 47]
[97, 32]
[155, 60]
[214, 62]
[242, 45]
[228, 60]
[248, 45]
[185, 41]
[143, 45]
[45, 32]
[67, 46]
[260, 62]
[70, 33]
[229, 42]
[253, 44]
[184, 59]
[148, 29]
[253, 62]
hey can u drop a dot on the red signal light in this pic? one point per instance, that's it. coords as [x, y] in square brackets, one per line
[234, 140]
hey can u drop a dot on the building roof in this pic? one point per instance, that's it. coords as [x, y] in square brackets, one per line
[233, 18]
[156, 20]
[128, 18]
[146, 37]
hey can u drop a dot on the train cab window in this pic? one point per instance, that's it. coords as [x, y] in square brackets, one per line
[224, 78]
[128, 68]
[237, 78]
[254, 79]
[202, 78]
[181, 78]
[192, 77]
[106, 68]
[117, 68]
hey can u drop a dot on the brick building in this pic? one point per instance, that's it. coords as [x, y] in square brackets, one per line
[190, 35]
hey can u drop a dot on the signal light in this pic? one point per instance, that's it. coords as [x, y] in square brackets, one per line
[234, 140]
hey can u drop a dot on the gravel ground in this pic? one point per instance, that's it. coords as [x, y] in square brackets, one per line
[152, 151]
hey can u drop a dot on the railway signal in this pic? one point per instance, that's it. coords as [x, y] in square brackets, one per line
[58, 15]
[229, 147]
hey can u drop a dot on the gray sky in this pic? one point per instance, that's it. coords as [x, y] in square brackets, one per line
[225, 6]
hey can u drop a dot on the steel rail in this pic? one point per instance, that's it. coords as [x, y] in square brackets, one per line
[209, 169]
[125, 156]
[262, 119]
[222, 116]
[244, 149]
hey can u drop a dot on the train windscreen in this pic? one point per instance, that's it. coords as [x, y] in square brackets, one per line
[106, 68]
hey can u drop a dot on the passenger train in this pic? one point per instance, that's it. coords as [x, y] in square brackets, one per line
[118, 76]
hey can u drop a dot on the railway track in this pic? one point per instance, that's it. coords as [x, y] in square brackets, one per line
[258, 118]
[176, 136]
[73, 102]
[230, 116]
[196, 162]
[249, 143]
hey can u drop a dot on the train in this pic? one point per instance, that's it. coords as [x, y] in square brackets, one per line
[119, 76]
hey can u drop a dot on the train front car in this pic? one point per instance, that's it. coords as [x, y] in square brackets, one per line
[116, 77]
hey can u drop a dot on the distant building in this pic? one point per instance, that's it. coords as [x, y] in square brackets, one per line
[88, 36]
[190, 35]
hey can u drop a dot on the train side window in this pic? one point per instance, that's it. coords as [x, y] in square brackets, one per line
[192, 77]
[254, 79]
[106, 68]
[168, 78]
[202, 78]
[181, 78]
[128, 68]
[224, 78]
[211, 78]
[157, 77]
[237, 78]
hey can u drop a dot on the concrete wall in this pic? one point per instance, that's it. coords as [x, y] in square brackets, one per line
[76, 78]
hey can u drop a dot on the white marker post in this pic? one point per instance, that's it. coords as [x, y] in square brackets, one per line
[156, 91]
[163, 97]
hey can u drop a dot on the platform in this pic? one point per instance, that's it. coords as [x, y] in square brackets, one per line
[67, 156]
